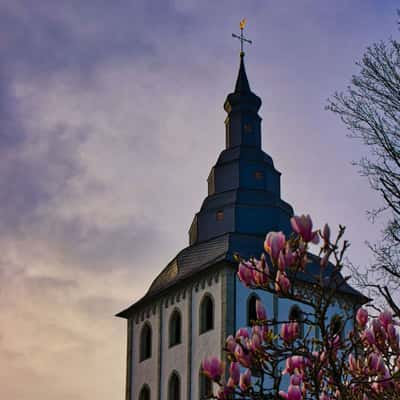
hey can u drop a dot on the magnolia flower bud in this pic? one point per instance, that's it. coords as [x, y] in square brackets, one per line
[245, 380]
[243, 357]
[245, 273]
[242, 333]
[303, 226]
[230, 343]
[261, 272]
[282, 283]
[294, 392]
[385, 318]
[290, 331]
[260, 311]
[362, 317]
[234, 372]
[326, 233]
[274, 243]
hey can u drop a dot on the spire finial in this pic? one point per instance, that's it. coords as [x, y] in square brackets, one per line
[242, 39]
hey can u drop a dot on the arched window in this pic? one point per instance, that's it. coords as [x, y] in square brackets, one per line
[144, 393]
[174, 387]
[206, 314]
[251, 309]
[145, 342]
[175, 328]
[205, 385]
[296, 314]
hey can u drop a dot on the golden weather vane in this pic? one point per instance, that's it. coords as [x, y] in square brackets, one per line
[242, 39]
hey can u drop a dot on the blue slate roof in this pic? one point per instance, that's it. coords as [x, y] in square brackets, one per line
[197, 258]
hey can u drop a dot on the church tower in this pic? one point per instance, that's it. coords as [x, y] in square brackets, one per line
[197, 300]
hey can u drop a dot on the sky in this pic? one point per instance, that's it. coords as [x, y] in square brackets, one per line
[110, 120]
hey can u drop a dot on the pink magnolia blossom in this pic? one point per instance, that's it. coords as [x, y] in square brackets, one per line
[261, 272]
[362, 317]
[274, 243]
[293, 363]
[295, 379]
[213, 368]
[282, 283]
[283, 394]
[375, 362]
[286, 258]
[231, 383]
[230, 344]
[385, 318]
[245, 380]
[303, 226]
[260, 311]
[393, 337]
[354, 364]
[368, 337]
[244, 357]
[245, 273]
[326, 234]
[234, 372]
[380, 334]
[376, 325]
[260, 278]
[255, 342]
[242, 333]
[290, 331]
[294, 393]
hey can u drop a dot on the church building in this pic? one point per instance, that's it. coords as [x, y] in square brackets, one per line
[197, 300]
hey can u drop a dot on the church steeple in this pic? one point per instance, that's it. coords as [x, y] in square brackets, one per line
[243, 124]
[242, 83]
[243, 186]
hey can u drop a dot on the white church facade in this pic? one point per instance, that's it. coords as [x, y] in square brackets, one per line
[197, 300]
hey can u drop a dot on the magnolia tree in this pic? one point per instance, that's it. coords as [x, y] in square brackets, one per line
[362, 364]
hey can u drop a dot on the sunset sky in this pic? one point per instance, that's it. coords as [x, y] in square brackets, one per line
[110, 120]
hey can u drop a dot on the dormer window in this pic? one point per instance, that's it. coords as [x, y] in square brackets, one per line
[219, 216]
[259, 175]
[248, 128]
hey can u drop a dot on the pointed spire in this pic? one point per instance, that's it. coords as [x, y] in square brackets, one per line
[242, 96]
[242, 83]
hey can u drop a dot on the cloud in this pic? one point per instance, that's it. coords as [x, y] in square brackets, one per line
[110, 119]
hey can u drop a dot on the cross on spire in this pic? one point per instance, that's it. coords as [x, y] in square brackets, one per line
[241, 37]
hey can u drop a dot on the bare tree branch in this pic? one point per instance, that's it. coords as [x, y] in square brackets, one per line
[370, 109]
